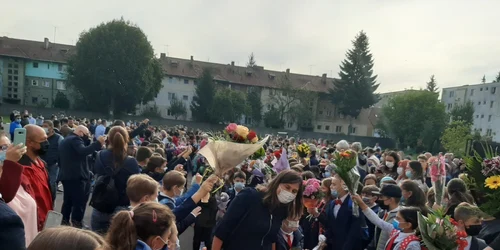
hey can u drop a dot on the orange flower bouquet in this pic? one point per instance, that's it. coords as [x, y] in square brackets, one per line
[347, 171]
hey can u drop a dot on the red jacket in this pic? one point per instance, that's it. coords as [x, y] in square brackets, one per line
[10, 180]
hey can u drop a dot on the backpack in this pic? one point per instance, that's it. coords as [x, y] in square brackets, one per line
[105, 196]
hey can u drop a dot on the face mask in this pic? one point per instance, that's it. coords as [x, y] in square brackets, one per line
[473, 230]
[2, 156]
[286, 197]
[46, 130]
[395, 224]
[400, 171]
[239, 186]
[367, 200]
[381, 204]
[44, 147]
[325, 156]
[18, 120]
[335, 194]
[327, 174]
[180, 193]
[403, 200]
[409, 174]
[389, 164]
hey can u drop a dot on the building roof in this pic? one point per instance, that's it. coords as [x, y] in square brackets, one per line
[251, 76]
[35, 50]
[472, 85]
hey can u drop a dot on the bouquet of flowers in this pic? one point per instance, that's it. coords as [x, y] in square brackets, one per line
[303, 150]
[259, 154]
[312, 193]
[438, 232]
[485, 170]
[235, 145]
[438, 177]
[347, 171]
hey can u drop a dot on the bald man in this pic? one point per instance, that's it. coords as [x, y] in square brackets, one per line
[35, 179]
[74, 173]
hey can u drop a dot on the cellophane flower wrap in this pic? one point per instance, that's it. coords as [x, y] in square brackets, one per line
[439, 232]
[312, 193]
[438, 177]
[345, 163]
[235, 145]
[485, 170]
[303, 150]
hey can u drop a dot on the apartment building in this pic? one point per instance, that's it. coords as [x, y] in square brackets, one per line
[486, 100]
[32, 72]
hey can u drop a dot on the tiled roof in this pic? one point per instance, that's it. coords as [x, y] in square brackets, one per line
[250, 76]
[35, 50]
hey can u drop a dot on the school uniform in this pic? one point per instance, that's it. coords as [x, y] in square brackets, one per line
[183, 216]
[343, 229]
[290, 241]
[474, 243]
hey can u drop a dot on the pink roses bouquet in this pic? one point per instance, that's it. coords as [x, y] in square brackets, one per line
[312, 193]
[240, 134]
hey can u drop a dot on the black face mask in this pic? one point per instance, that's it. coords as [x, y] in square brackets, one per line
[44, 147]
[381, 204]
[473, 230]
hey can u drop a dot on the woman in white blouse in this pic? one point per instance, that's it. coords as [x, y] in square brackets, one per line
[402, 229]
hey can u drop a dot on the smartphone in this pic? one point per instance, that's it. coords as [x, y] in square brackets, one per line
[54, 219]
[19, 136]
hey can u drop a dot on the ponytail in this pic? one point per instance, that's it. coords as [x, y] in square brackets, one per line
[122, 234]
[118, 138]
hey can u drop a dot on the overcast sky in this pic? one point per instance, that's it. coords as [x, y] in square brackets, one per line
[456, 40]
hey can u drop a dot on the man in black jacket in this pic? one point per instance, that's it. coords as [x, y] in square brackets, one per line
[75, 174]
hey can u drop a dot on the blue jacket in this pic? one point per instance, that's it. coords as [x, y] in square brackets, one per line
[182, 208]
[248, 224]
[72, 158]
[11, 229]
[13, 126]
[343, 232]
[129, 167]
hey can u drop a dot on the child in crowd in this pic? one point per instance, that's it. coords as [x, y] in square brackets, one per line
[469, 219]
[290, 235]
[143, 155]
[68, 238]
[239, 180]
[172, 189]
[370, 179]
[141, 188]
[156, 167]
[388, 201]
[371, 201]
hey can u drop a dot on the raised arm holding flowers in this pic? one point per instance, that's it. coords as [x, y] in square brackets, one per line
[347, 171]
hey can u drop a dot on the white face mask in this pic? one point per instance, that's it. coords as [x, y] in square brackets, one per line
[286, 197]
[389, 164]
[46, 130]
[400, 171]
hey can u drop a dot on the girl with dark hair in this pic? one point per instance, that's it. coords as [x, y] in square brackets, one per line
[458, 193]
[415, 172]
[115, 162]
[148, 226]
[254, 217]
[402, 229]
[392, 164]
[413, 196]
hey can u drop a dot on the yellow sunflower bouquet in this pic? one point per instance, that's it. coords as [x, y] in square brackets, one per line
[485, 172]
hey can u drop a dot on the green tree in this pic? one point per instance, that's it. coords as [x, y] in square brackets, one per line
[355, 87]
[463, 112]
[61, 101]
[497, 78]
[255, 106]
[204, 97]
[229, 105]
[415, 118]
[114, 67]
[483, 80]
[291, 102]
[432, 85]
[272, 120]
[455, 137]
[251, 61]
[177, 107]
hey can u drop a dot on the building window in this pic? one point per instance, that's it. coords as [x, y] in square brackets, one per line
[327, 127]
[170, 79]
[482, 116]
[493, 90]
[34, 82]
[488, 132]
[353, 130]
[15, 96]
[59, 67]
[16, 72]
[489, 118]
[185, 97]
[481, 89]
[46, 84]
[9, 71]
[171, 96]
[15, 78]
[471, 92]
[484, 102]
[477, 116]
[35, 65]
[328, 113]
[320, 112]
[318, 127]
[290, 124]
[186, 81]
[60, 85]
[34, 99]
[478, 103]
[338, 129]
[271, 92]
[491, 104]
[48, 65]
[169, 113]
[450, 105]
[452, 93]
[10, 65]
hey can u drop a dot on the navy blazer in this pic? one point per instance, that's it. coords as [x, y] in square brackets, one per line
[343, 232]
[72, 158]
[297, 242]
[248, 224]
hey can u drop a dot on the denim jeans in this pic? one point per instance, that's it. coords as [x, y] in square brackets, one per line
[99, 221]
[53, 171]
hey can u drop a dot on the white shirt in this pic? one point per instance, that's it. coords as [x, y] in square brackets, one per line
[337, 206]
[468, 239]
[286, 237]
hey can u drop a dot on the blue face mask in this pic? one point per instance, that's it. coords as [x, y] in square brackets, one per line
[409, 174]
[335, 194]
[395, 224]
[327, 174]
[2, 156]
[18, 120]
[239, 186]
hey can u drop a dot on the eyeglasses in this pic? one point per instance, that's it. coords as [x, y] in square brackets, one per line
[4, 147]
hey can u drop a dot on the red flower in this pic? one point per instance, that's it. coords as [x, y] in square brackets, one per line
[251, 135]
[461, 234]
[453, 222]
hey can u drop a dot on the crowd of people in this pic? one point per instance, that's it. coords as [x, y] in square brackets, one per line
[147, 185]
